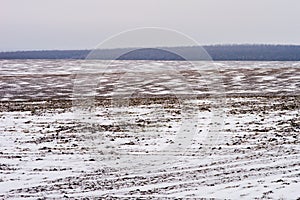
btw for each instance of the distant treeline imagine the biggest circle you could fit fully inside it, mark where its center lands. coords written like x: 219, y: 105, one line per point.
x: 217, y: 52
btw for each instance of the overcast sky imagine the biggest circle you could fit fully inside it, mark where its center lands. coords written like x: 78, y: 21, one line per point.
x: 82, y: 24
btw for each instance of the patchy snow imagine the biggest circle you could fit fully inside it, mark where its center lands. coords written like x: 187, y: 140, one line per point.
x: 49, y: 149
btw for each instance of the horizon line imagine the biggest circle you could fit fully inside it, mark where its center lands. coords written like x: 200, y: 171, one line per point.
x: 207, y: 45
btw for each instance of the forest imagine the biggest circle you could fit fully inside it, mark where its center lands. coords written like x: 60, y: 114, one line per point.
x: 216, y: 52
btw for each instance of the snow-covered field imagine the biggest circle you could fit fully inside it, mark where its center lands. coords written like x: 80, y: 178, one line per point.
x: 243, y: 143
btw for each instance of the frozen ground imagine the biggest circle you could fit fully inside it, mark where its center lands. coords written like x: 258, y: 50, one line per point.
x: 55, y: 79
x: 49, y: 149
